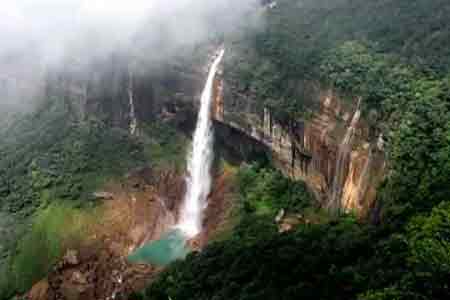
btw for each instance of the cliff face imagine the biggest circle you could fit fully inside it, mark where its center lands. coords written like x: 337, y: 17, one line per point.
x: 124, y: 94
x: 334, y: 150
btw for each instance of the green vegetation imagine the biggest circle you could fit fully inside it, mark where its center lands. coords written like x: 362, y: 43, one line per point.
x: 336, y: 258
x: 54, y: 230
x: 300, y: 32
x: 414, y: 111
x: 165, y: 146
x: 395, y: 56
x: 396, y: 60
x: 343, y: 44
x: 50, y: 165
x: 49, y: 156
x: 265, y: 191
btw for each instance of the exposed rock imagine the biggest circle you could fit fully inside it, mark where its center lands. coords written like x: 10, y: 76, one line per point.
x: 285, y: 227
x: 99, y: 268
x: 97, y: 276
x: 103, y: 196
x: 40, y: 291
x: 71, y: 258
x: 280, y: 216
x: 334, y: 151
x: 78, y: 278
x: 380, y: 143
x: 220, y: 207
x: 72, y: 291
x: 289, y: 222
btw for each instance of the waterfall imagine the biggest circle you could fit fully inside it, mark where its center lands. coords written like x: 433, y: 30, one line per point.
x: 199, y: 162
x: 343, y: 161
x: 364, y: 178
x: 133, y: 120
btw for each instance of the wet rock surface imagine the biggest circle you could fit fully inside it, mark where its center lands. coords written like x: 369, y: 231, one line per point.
x: 335, y: 150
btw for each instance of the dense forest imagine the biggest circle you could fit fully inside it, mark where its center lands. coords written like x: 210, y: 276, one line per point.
x: 51, y: 165
x: 393, y: 54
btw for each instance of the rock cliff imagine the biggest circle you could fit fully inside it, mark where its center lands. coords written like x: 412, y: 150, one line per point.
x: 333, y: 149
x: 122, y: 92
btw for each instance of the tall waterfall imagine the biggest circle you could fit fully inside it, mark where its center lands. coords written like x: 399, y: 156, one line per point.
x: 199, y: 162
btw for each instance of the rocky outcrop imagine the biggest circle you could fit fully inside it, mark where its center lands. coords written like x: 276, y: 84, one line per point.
x: 334, y: 150
x: 136, y: 210
x: 92, y: 275
x: 121, y: 92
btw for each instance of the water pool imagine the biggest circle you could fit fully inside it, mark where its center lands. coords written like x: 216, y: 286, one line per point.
x: 170, y: 247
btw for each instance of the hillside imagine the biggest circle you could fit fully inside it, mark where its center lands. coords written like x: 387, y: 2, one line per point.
x: 393, y: 55
x: 330, y: 179
x: 52, y: 165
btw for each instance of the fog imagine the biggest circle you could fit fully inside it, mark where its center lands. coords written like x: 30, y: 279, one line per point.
x: 36, y: 35
x: 52, y: 26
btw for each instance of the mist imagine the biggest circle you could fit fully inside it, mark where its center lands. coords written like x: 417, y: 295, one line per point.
x: 41, y: 35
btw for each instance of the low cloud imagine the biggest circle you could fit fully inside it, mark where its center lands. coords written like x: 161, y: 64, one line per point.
x: 39, y: 34
x: 55, y: 28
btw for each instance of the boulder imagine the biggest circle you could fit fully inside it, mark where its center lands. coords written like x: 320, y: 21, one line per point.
x: 78, y: 278
x: 103, y: 196
x: 280, y: 216
x: 40, y: 291
x: 71, y: 258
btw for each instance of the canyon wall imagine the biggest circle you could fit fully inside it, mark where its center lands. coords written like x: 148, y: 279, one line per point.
x: 334, y: 150
x: 124, y: 93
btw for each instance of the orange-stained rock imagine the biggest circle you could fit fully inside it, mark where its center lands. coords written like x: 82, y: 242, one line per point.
x: 335, y: 150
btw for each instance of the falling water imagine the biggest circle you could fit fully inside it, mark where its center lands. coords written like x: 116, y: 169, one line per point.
x: 199, y: 162
x: 133, y: 119
x: 173, y: 244
x: 343, y: 161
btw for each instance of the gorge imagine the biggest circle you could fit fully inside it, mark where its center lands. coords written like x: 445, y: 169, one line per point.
x: 309, y: 161
x: 334, y: 150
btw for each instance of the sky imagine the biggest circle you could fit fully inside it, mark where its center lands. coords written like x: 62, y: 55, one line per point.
x: 40, y: 34
x: 54, y: 26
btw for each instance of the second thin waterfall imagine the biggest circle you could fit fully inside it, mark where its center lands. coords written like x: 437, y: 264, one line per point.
x: 199, y: 161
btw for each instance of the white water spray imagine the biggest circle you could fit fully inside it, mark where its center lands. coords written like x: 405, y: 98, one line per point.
x: 199, y: 162
x: 133, y: 119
